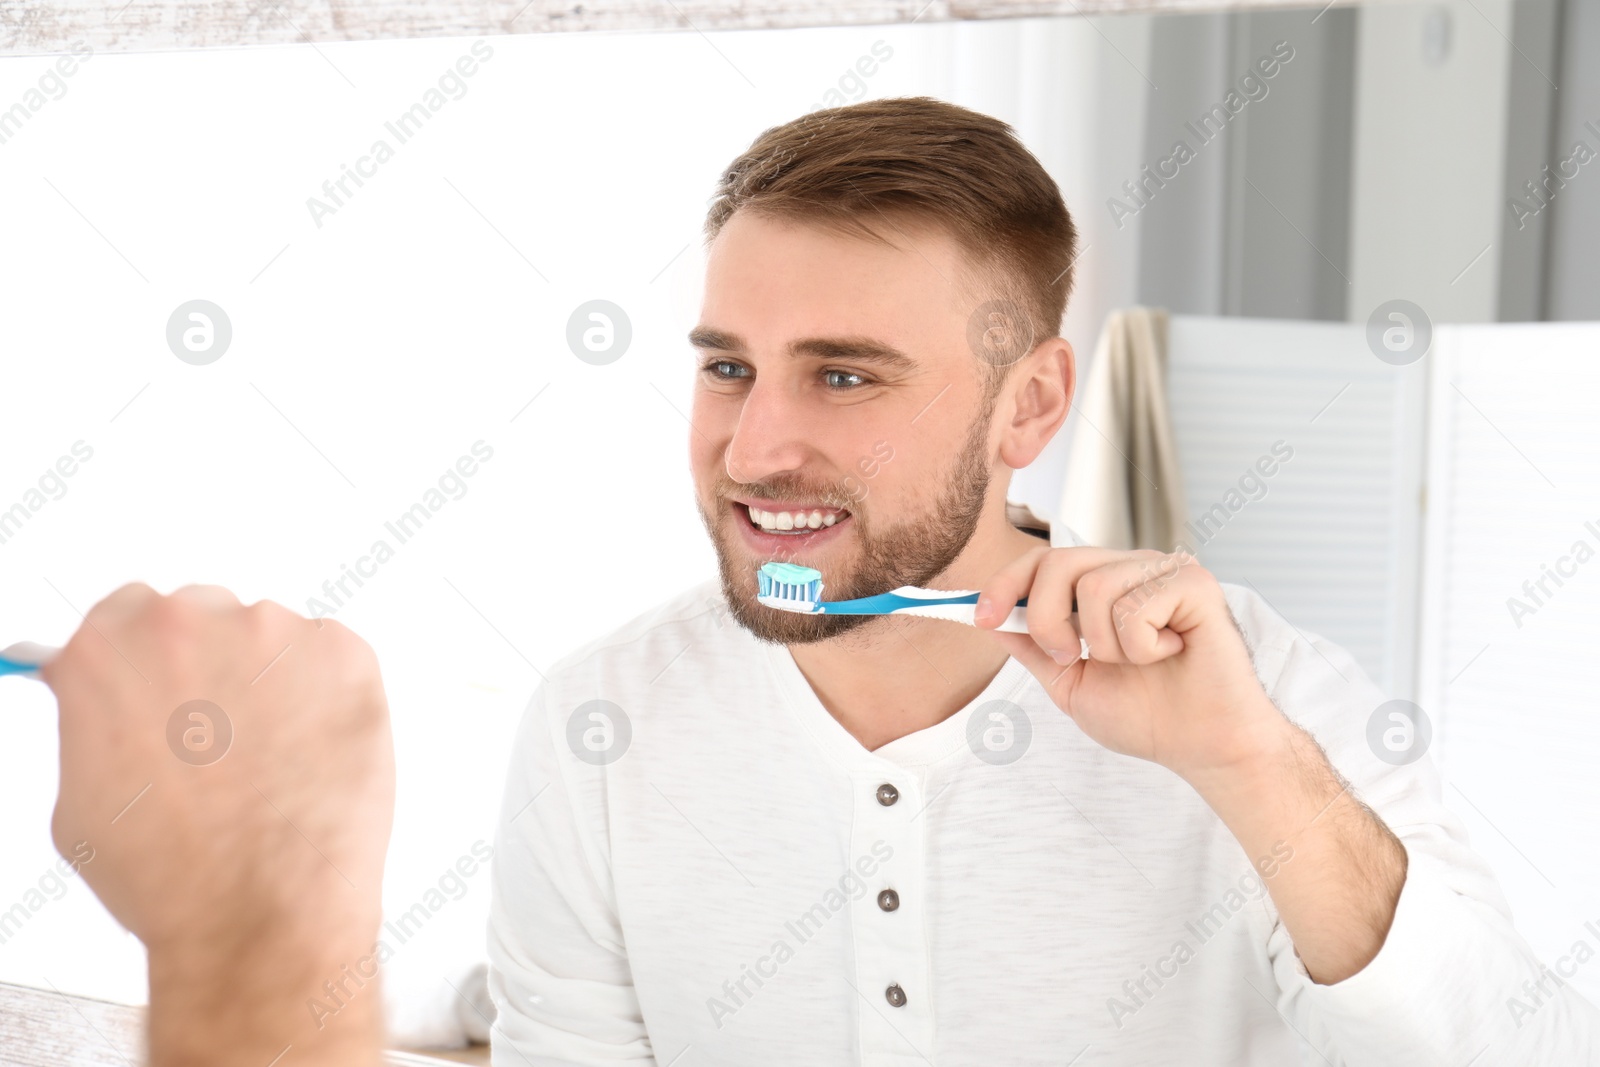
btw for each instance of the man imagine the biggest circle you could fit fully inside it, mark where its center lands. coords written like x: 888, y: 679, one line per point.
x: 213, y: 865
x: 733, y: 835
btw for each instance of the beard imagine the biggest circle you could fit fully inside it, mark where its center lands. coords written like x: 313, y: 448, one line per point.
x: 911, y: 552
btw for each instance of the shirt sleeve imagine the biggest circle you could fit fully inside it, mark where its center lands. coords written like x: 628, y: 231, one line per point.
x: 558, y: 971
x: 1441, y: 989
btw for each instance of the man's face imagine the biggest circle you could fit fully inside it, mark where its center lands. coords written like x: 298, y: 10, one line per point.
x: 835, y: 391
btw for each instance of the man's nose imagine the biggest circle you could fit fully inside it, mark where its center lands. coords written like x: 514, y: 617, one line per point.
x: 774, y: 434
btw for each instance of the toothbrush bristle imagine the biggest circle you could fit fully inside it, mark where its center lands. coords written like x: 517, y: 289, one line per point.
x: 789, y: 587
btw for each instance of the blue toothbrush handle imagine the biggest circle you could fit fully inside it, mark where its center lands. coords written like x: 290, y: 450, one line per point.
x: 956, y: 605
x: 24, y: 659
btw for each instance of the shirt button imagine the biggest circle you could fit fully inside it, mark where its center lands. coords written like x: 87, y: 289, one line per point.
x: 887, y: 794
x: 888, y: 900
x: 895, y: 996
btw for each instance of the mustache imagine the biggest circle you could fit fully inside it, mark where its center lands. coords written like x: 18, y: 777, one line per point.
x: 829, y: 494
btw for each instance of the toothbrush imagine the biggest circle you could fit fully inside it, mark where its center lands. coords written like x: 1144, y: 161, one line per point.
x: 25, y: 658
x: 792, y: 587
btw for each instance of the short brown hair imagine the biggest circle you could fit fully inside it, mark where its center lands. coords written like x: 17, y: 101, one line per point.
x: 922, y: 160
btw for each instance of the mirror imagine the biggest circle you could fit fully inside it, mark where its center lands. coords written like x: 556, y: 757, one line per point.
x: 394, y: 331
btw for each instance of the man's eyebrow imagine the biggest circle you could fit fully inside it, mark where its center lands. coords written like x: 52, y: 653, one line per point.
x: 844, y: 349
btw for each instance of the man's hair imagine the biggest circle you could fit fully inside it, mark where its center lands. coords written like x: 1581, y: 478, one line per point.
x: 885, y: 163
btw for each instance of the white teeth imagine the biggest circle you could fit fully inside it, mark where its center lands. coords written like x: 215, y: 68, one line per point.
x: 792, y: 520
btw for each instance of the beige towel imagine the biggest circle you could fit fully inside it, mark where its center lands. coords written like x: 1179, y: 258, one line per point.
x: 1123, y: 486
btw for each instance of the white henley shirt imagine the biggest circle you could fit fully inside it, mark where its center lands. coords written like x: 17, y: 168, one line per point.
x: 713, y: 871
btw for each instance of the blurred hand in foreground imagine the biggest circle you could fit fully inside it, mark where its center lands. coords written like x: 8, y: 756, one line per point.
x: 229, y: 772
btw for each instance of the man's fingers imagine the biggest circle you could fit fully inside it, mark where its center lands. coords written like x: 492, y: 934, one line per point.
x: 1106, y: 595
x: 1007, y: 586
x: 1129, y: 606
x: 1144, y: 643
x: 1050, y: 578
x: 1050, y: 607
x: 1142, y: 616
x: 211, y: 596
x: 89, y: 640
x: 123, y: 602
x: 1060, y: 582
x: 319, y: 759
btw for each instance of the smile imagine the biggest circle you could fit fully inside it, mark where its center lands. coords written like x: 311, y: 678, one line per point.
x: 769, y: 521
x: 797, y: 521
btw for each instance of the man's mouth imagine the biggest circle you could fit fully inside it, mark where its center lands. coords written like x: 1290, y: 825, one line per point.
x: 789, y: 519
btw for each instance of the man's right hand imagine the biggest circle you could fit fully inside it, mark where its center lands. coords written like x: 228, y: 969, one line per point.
x: 231, y: 773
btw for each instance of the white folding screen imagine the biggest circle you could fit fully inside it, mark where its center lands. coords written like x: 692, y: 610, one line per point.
x: 1330, y: 537
x: 1509, y: 669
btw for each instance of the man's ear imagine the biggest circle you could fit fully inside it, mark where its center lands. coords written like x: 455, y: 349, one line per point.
x: 1038, y: 397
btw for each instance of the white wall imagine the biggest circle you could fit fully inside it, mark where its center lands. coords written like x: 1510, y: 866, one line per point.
x: 1573, y: 268
x: 1257, y: 222
x: 1428, y: 164
x: 1507, y: 670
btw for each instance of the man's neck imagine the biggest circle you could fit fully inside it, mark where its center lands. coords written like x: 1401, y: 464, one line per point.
x: 899, y: 674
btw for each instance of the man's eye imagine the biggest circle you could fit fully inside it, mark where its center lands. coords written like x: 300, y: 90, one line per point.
x: 724, y: 370
x: 833, y: 377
